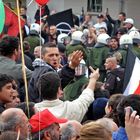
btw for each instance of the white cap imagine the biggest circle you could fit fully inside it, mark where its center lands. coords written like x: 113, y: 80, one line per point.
x: 129, y: 20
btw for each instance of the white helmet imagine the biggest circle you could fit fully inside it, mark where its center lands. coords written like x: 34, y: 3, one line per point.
x: 129, y: 20
x: 103, y: 38
x: 85, y: 32
x: 135, y: 36
x: 77, y: 36
x: 126, y: 39
x: 60, y: 38
x: 35, y: 26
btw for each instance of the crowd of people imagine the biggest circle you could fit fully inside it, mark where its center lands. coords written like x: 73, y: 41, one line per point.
x: 75, y: 82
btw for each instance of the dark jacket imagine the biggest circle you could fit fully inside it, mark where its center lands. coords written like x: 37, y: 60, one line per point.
x: 44, y: 11
x: 116, y: 23
x: 114, y: 80
x: 28, y: 62
x: 41, y: 67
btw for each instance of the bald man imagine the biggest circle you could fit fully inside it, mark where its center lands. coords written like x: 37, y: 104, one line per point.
x: 114, y: 76
x: 70, y: 130
x: 37, y: 52
x: 14, y: 119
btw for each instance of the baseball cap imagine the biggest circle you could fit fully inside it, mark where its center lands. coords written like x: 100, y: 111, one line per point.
x: 129, y: 20
x: 44, y: 119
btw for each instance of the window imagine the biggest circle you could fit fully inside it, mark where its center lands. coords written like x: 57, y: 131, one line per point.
x: 94, y: 6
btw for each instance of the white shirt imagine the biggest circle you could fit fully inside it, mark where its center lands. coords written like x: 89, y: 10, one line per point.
x: 74, y: 110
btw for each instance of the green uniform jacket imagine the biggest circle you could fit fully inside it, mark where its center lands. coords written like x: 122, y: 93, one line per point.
x: 97, y: 59
x: 123, y: 52
x: 73, y: 90
x: 33, y: 41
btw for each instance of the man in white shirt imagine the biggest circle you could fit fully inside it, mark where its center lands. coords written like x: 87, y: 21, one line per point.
x: 50, y: 90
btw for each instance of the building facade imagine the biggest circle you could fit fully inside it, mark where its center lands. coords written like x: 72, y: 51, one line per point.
x: 94, y: 7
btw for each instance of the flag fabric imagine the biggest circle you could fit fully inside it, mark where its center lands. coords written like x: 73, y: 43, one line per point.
x: 11, y: 26
x: 62, y: 20
x: 132, y: 74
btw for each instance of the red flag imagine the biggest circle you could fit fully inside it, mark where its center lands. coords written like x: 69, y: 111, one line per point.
x: 11, y: 22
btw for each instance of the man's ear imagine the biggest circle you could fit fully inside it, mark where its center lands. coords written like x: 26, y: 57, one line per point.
x: 47, y: 136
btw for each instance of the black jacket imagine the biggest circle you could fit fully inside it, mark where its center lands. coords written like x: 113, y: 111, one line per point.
x: 114, y: 81
x: 116, y: 23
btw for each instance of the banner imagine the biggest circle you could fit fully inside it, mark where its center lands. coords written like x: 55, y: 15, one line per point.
x: 62, y: 20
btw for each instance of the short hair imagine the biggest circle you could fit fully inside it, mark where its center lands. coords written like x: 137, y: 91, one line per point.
x: 10, y: 122
x: 10, y: 135
x: 114, y: 37
x: 23, y: 106
x: 8, y: 44
x: 48, y: 85
x: 122, y: 13
x: 113, y: 103
x: 130, y: 100
x: 103, y: 28
x: 95, y: 131
x: 68, y: 132
x: 47, y: 45
x: 5, y: 79
x: 88, y: 14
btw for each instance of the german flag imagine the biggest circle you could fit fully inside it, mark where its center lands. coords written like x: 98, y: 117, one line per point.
x: 132, y: 74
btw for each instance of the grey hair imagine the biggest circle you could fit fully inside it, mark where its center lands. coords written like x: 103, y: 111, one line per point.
x: 68, y: 132
x: 10, y: 122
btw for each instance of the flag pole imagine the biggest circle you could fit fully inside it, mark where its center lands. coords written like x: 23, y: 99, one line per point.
x: 22, y: 56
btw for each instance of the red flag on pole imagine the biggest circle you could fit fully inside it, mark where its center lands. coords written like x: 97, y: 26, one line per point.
x: 11, y: 26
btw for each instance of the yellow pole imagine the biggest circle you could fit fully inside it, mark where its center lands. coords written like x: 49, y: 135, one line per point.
x: 22, y: 54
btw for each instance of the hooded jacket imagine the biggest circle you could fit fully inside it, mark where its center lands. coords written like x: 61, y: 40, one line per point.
x: 40, y: 67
